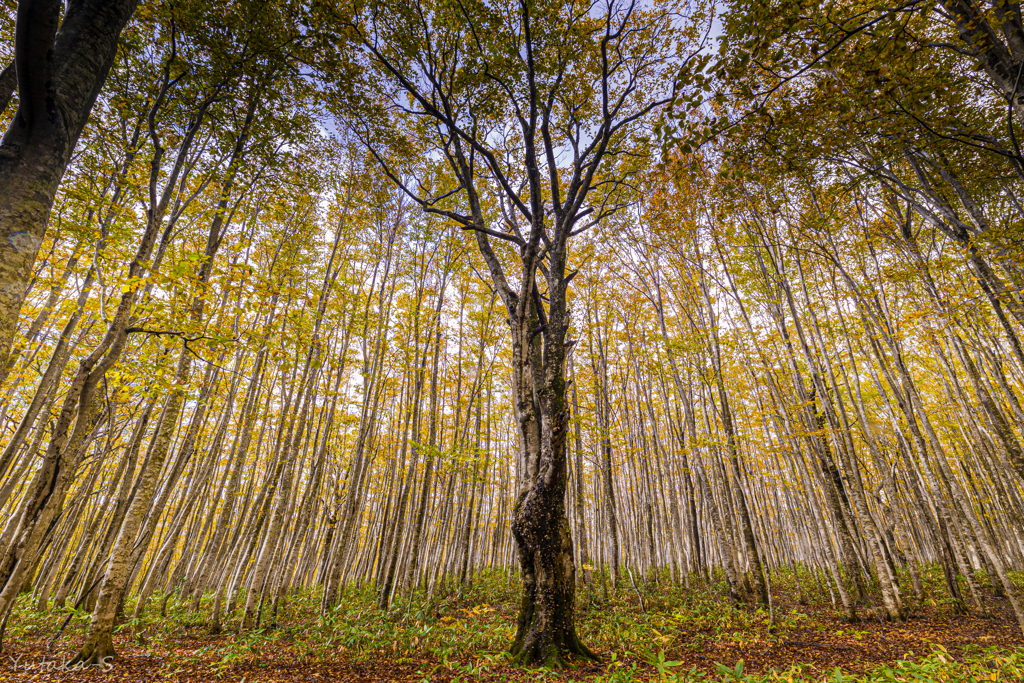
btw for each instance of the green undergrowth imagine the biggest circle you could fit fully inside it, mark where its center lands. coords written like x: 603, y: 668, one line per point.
x: 937, y: 666
x: 644, y: 631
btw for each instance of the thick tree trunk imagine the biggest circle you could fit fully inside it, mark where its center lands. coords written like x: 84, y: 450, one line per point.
x: 59, y: 73
x: 546, y: 627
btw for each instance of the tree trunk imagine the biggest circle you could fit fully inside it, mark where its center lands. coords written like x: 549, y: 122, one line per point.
x: 60, y: 73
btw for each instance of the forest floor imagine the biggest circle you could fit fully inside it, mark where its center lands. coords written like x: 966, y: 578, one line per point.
x: 675, y: 634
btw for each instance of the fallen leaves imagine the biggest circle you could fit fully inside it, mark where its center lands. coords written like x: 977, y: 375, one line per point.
x: 682, y: 633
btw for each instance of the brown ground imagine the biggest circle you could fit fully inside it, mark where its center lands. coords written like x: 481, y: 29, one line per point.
x: 827, y: 642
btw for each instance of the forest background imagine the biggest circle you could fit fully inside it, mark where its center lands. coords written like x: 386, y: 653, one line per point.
x: 295, y: 326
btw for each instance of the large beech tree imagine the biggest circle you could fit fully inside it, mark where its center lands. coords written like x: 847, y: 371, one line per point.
x: 536, y: 108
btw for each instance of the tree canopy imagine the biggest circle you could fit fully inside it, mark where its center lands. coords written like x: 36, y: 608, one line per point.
x: 314, y: 297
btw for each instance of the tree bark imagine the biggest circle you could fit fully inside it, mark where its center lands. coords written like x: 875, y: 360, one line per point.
x: 60, y: 71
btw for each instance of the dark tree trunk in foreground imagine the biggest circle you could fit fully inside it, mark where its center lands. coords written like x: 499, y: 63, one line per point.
x: 559, y: 195
x: 546, y: 628
x: 59, y: 74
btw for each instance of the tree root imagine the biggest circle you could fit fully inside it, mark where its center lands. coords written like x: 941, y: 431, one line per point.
x: 532, y: 652
x: 94, y: 654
